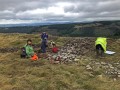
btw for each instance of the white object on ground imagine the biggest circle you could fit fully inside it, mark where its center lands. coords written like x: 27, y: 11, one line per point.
x: 110, y: 52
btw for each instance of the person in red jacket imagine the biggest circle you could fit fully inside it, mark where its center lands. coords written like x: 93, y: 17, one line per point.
x: 55, y: 58
x: 55, y: 48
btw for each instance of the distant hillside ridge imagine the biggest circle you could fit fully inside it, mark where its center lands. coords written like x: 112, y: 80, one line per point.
x: 91, y: 29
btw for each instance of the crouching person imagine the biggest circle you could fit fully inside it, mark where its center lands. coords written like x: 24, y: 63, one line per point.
x: 55, y: 59
x: 101, y: 45
x: 29, y: 51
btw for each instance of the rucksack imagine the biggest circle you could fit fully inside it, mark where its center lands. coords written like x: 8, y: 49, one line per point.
x: 23, y: 53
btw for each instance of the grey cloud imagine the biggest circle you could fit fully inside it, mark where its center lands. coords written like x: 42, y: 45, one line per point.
x: 94, y: 7
x: 91, y: 9
x: 99, y: 9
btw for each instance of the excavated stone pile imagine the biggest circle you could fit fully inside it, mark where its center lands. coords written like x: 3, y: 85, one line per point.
x: 73, y: 48
x: 109, y: 69
x: 78, y: 46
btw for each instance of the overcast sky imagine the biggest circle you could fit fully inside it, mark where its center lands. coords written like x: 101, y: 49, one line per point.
x: 32, y: 11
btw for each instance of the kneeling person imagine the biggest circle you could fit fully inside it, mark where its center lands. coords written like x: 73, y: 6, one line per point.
x: 101, y: 45
x: 30, y: 51
x: 55, y: 58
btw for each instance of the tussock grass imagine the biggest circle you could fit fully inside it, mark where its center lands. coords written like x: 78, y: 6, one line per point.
x: 17, y: 40
x: 23, y: 74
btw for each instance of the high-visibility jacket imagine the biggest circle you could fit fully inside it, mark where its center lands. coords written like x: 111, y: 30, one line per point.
x: 102, y: 41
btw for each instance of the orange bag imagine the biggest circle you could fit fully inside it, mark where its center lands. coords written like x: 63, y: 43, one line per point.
x: 34, y: 57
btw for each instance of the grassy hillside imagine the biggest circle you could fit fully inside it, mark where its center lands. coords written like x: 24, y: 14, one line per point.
x: 23, y: 74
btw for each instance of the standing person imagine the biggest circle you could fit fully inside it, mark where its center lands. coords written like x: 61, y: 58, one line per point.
x: 44, y: 46
x: 30, y: 51
x: 101, y: 45
x: 44, y: 38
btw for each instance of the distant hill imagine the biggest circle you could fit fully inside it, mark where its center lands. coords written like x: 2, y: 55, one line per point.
x: 32, y: 24
x: 98, y: 28
x: 101, y: 28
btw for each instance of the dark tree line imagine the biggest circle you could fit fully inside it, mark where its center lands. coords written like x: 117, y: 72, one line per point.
x: 106, y: 28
